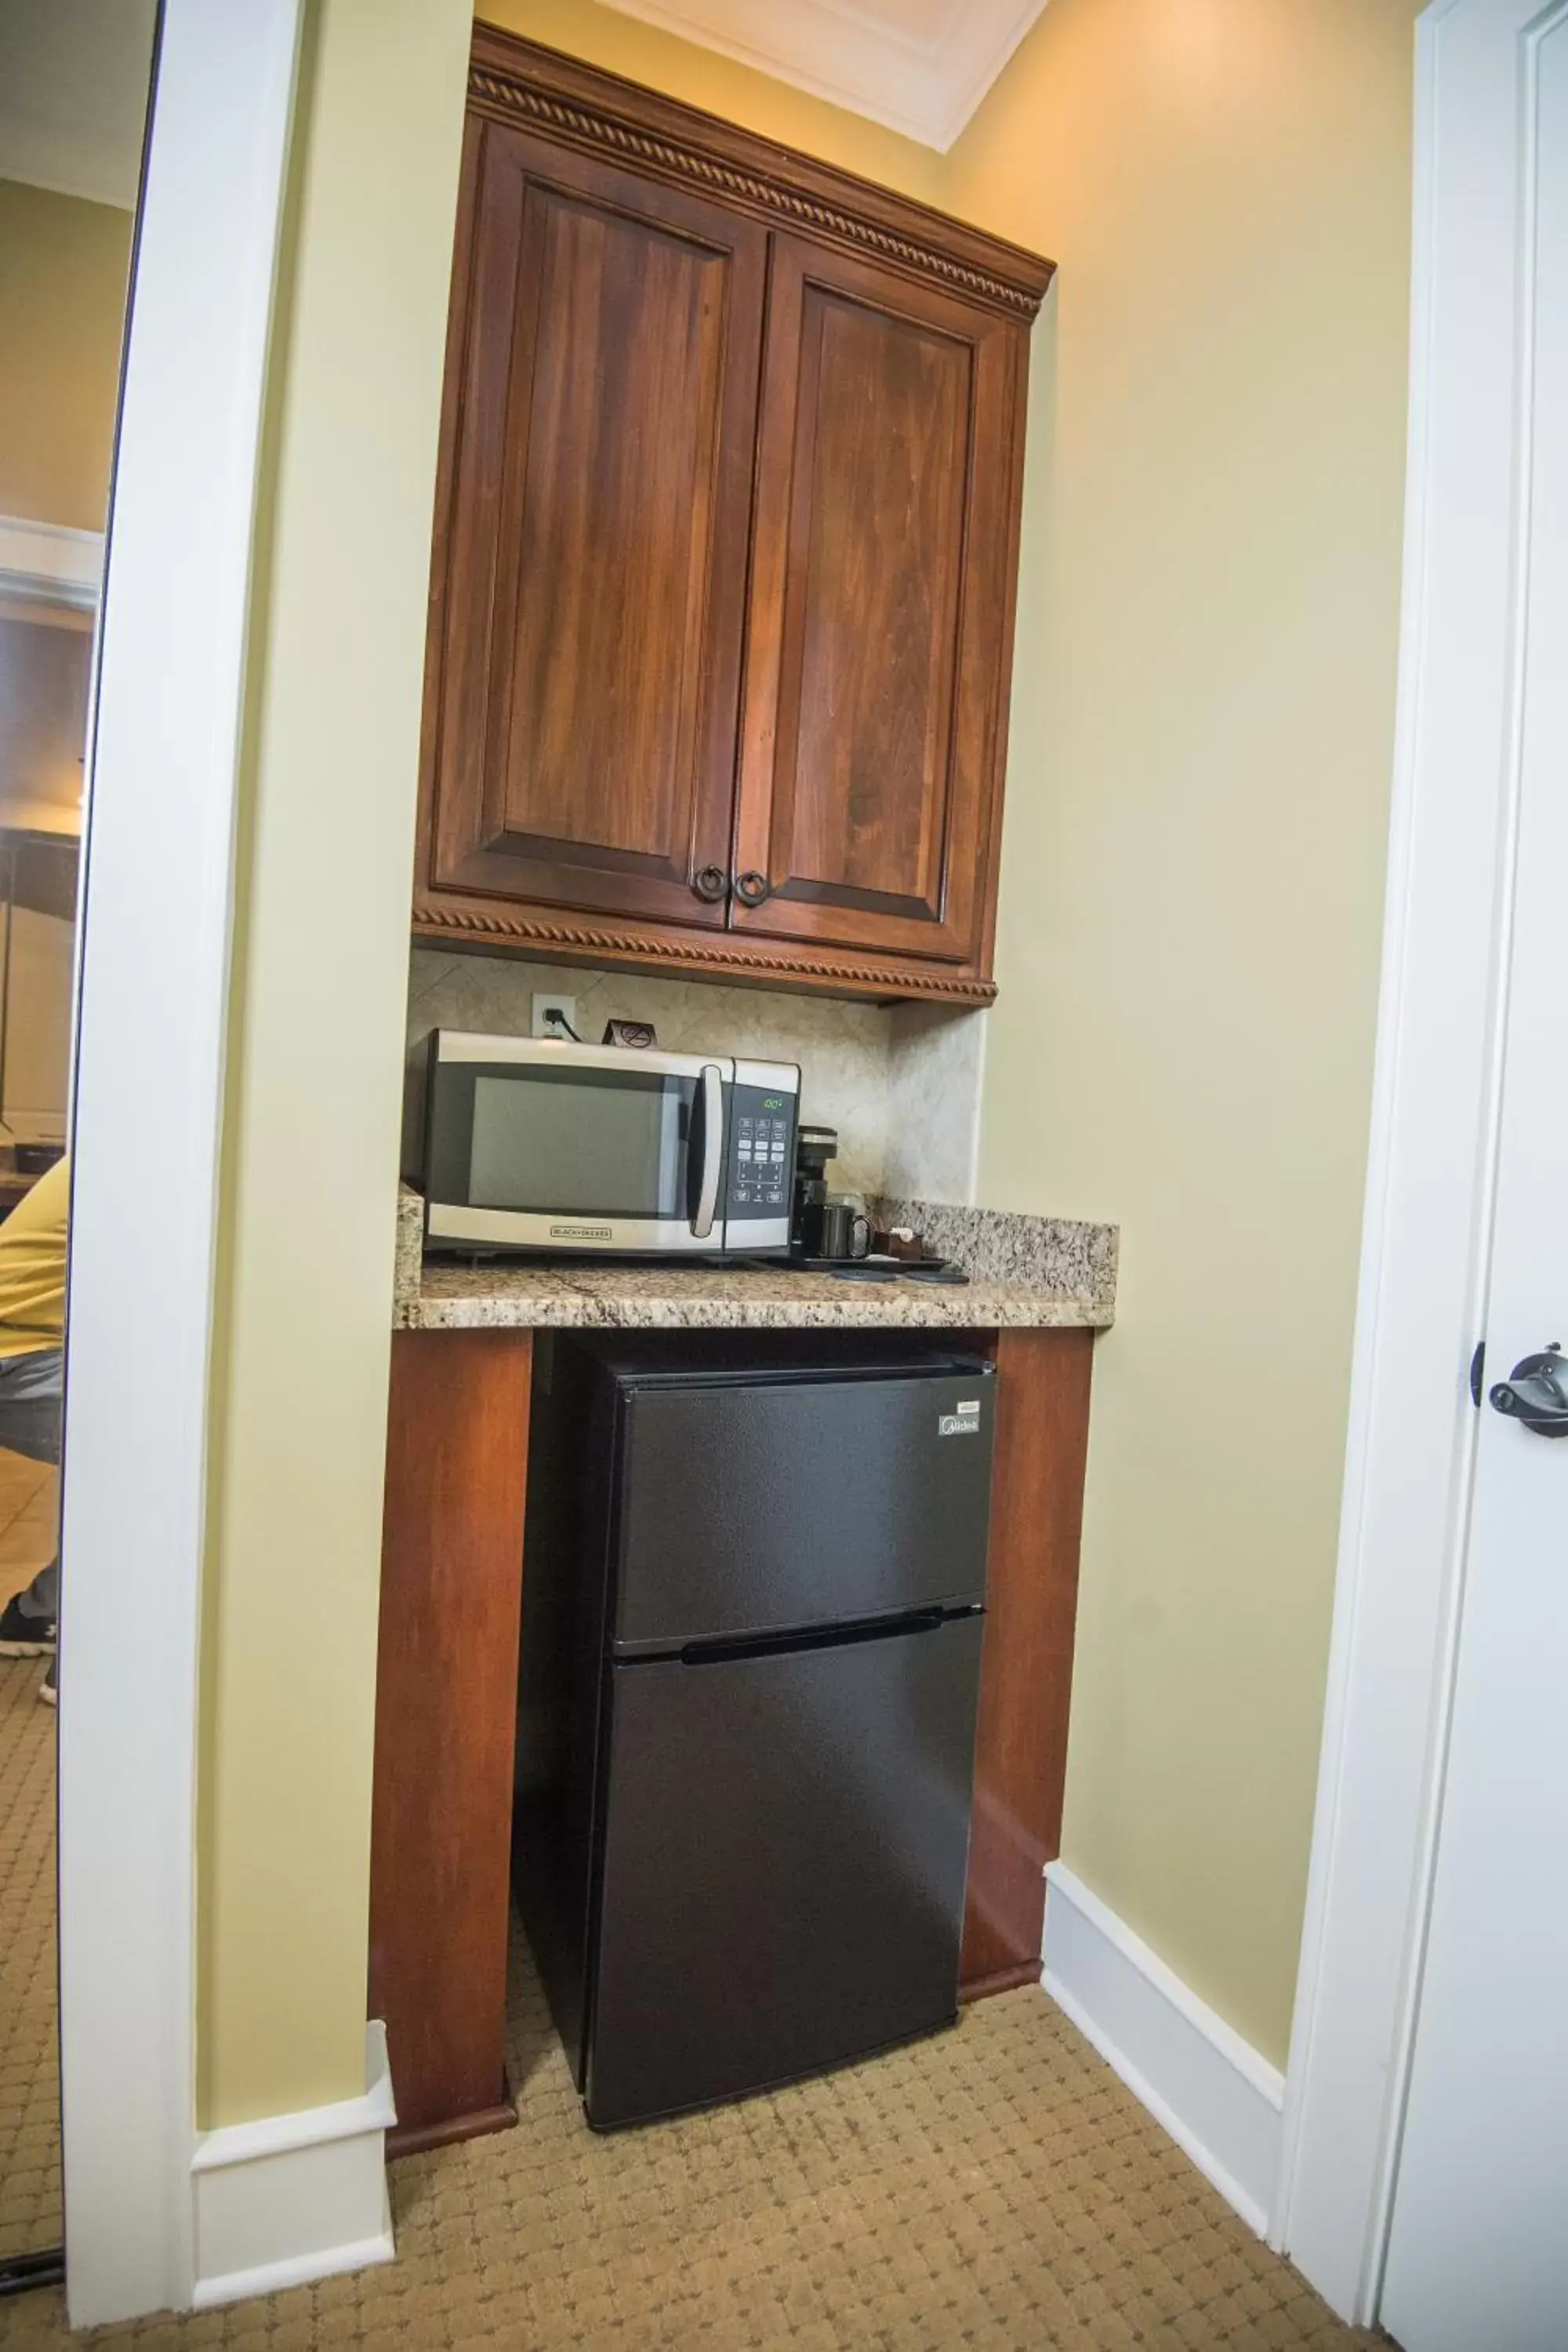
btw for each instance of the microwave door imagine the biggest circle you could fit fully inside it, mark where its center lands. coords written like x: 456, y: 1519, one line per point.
x: 576, y: 1149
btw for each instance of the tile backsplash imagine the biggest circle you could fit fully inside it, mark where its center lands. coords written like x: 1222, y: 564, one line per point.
x: 935, y: 1067
x: 845, y: 1050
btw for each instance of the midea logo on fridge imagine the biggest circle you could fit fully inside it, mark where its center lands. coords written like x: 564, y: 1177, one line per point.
x: 963, y: 1421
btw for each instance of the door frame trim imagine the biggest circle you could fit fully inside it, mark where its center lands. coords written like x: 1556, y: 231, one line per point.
x: 165, y: 764
x: 1426, y: 1248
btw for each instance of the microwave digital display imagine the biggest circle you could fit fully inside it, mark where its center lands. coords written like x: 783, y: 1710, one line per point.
x: 578, y: 1141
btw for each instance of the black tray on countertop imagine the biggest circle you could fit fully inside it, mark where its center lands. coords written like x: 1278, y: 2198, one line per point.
x: 938, y: 1271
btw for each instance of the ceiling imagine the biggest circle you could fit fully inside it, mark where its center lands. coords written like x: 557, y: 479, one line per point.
x: 73, y: 73
x: 920, y: 66
x: 73, y: 94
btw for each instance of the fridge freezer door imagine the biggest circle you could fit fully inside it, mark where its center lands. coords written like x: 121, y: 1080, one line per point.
x: 749, y: 1506
x: 784, y: 1859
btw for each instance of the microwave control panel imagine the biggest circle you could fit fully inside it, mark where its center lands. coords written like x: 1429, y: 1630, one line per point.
x: 762, y: 1151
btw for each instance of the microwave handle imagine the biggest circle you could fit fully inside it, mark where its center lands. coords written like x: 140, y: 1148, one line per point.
x: 711, y: 1097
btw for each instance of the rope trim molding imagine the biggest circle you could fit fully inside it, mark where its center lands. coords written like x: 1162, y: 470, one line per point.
x: 522, y: 98
x: 725, y: 957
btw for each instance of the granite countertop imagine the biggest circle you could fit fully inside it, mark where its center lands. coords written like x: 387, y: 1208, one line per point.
x: 1028, y: 1272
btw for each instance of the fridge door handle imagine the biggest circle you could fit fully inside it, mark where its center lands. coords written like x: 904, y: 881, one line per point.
x: 729, y: 1652
x: 711, y: 1095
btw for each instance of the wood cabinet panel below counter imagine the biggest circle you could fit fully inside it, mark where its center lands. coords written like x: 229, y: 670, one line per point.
x: 1025, y: 1667
x: 446, y: 1728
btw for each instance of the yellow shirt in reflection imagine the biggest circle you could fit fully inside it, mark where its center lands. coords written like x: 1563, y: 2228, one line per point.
x: 33, y: 1266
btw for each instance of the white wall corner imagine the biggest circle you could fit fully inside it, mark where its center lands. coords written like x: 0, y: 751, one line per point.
x: 293, y: 2198
x: 1219, y: 2100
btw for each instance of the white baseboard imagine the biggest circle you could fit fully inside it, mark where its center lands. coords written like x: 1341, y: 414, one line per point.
x: 294, y: 2197
x: 1220, y: 2102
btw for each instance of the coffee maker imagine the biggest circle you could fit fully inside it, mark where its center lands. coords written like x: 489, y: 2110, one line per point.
x: 822, y: 1228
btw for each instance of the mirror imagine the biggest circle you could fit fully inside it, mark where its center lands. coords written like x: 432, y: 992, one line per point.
x: 74, y: 82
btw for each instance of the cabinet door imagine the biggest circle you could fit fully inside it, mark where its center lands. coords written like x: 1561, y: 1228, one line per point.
x: 590, y: 574
x: 881, y: 618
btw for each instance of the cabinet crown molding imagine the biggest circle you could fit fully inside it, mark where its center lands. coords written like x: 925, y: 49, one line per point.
x: 513, y: 79
x: 723, y: 953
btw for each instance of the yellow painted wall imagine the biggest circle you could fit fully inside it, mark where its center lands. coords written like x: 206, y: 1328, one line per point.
x: 316, y: 1059
x: 1191, y: 881
x: 63, y: 265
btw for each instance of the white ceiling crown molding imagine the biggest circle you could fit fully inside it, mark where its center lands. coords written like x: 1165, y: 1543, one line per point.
x: 48, y: 563
x: 920, y: 66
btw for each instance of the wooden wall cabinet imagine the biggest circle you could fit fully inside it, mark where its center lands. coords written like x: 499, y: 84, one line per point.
x: 725, y: 547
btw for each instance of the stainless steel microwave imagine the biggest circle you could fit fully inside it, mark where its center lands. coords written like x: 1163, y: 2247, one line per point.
x: 534, y: 1143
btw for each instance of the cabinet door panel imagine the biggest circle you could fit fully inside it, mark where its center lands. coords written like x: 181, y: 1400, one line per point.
x: 880, y: 568
x: 599, y: 483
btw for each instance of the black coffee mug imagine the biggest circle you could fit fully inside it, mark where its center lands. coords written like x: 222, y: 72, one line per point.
x: 837, y: 1229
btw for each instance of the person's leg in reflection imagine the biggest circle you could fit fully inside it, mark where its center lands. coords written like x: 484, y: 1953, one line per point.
x: 31, y: 1388
x: 32, y: 1245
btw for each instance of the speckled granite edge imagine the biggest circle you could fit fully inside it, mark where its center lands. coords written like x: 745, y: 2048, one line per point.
x: 1074, y: 1288
x: 409, y: 1260
x: 457, y: 1299
x: 1055, y: 1254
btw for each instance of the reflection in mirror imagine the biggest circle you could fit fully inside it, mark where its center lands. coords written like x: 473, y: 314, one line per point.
x: 46, y: 655
x: 74, y: 79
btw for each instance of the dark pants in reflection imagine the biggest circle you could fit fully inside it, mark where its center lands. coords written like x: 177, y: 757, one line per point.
x: 32, y: 1388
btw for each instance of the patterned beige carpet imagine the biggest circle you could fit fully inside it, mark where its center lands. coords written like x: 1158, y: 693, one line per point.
x: 992, y: 2189
x: 30, y: 2087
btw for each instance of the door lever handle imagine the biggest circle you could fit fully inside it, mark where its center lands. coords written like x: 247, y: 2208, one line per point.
x: 1535, y: 1392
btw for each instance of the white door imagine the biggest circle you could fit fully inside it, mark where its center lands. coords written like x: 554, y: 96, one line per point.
x: 1477, y: 2254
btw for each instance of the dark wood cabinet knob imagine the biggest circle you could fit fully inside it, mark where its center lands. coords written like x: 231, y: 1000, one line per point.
x: 711, y: 883
x: 752, y: 889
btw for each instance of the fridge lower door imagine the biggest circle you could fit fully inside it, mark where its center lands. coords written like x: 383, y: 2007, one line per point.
x: 783, y: 1866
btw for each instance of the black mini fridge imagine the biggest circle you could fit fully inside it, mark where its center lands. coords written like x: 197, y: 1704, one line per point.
x: 752, y: 1609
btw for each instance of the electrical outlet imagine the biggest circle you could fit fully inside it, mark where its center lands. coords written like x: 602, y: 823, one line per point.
x: 543, y: 1006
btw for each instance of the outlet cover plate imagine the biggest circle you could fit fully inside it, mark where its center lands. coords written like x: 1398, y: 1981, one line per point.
x: 543, y: 1006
